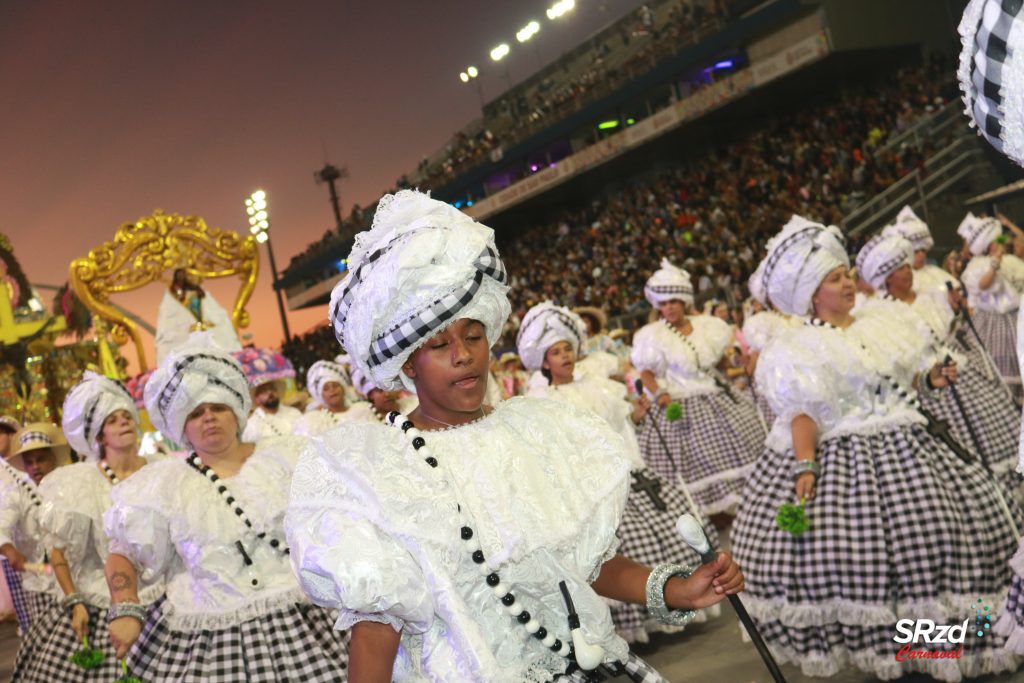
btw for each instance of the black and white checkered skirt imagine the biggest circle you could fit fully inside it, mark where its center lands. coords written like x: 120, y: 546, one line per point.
x: 45, y: 652
x: 633, y: 669
x: 899, y: 528
x: 998, y: 331
x: 1009, y: 617
x: 294, y: 643
x: 711, y: 448
x: 647, y: 535
x: 763, y: 407
x: 992, y: 415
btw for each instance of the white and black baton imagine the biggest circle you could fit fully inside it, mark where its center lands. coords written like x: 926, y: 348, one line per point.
x: 690, y: 529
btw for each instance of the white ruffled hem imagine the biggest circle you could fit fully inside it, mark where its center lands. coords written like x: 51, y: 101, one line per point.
x: 724, y: 475
x: 851, y: 613
x: 643, y: 633
x: 214, y: 621
x: 1008, y: 627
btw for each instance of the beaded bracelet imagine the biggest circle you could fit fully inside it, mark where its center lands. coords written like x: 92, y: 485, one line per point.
x: 127, y: 609
x: 656, y: 582
x: 73, y: 599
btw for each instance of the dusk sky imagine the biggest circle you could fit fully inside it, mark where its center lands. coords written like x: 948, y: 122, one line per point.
x: 113, y: 109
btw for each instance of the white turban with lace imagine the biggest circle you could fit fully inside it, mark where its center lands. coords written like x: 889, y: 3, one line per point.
x: 87, y: 407
x: 545, y: 325
x: 798, y: 260
x: 911, y: 228
x: 881, y: 256
x: 363, y: 384
x: 755, y: 283
x: 319, y: 374
x: 422, y: 266
x: 669, y: 282
x: 979, y: 233
x: 197, y: 372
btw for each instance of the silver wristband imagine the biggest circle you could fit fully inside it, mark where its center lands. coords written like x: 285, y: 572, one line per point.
x: 70, y: 601
x: 660, y: 576
x: 802, y: 466
x: 127, y: 609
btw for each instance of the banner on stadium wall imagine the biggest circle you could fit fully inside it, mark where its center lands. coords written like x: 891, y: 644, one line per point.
x: 696, y: 105
x: 799, y: 54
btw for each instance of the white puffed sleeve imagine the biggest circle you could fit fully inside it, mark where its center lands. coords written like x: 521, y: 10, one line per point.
x: 598, y: 364
x: 976, y: 269
x: 648, y: 353
x: 797, y: 374
x: 64, y: 517
x: 342, y: 560
x: 10, y: 511
x: 716, y: 334
x: 760, y: 328
x: 136, y: 522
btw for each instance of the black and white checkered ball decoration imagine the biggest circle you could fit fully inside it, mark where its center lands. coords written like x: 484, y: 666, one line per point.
x: 991, y: 77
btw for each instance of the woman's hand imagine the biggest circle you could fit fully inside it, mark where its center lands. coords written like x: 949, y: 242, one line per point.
x: 942, y: 375
x: 124, y: 631
x: 706, y: 586
x: 805, y: 484
x: 640, y: 409
x: 80, y: 621
x: 663, y: 400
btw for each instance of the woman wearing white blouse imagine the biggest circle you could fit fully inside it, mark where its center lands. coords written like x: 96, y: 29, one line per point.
x: 210, y: 526
x: 465, y: 543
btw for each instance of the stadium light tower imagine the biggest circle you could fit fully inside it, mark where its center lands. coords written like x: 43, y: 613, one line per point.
x: 259, y: 226
x: 499, y: 53
x: 527, y: 32
x: 560, y: 8
x: 470, y: 74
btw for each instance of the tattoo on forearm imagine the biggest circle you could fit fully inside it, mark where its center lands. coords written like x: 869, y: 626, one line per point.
x: 120, y: 582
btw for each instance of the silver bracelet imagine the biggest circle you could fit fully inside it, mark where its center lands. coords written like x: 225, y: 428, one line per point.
x: 660, y: 576
x: 127, y: 609
x: 802, y: 466
x: 70, y: 601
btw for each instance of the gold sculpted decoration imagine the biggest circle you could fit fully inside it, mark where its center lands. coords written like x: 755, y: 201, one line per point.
x: 143, y: 251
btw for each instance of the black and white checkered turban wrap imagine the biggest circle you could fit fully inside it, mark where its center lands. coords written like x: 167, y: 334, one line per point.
x: 912, y: 229
x: 545, y: 325
x: 798, y: 260
x: 196, y: 373
x: 422, y: 266
x: 979, y: 233
x: 881, y: 256
x: 668, y: 282
x: 991, y: 76
x: 322, y: 372
x: 87, y: 406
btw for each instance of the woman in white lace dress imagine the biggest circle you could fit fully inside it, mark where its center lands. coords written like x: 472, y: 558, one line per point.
x: 210, y: 527
x: 715, y: 442
x: 327, y: 384
x: 454, y: 541
x: 102, y: 425
x: 894, y: 528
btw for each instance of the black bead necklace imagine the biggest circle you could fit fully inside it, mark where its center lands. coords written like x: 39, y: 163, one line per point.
x: 29, y: 487
x: 501, y: 590
x: 196, y: 464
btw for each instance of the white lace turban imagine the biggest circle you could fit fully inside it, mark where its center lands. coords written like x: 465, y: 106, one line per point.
x: 197, y: 372
x: 797, y: 262
x: 911, y: 228
x: 979, y: 233
x: 881, y: 256
x: 363, y: 384
x: 88, y: 405
x: 991, y: 72
x: 319, y: 374
x: 669, y: 282
x: 545, y: 325
x: 422, y: 266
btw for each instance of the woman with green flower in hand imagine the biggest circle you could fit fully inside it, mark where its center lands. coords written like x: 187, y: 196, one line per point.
x: 887, y: 531
x: 712, y: 448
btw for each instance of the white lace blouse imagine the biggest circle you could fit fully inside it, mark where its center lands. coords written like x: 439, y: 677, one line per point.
x: 836, y: 376
x: 171, y: 522
x: 375, y: 532
x: 76, y: 497
x: 761, y: 328
x: 318, y: 421
x: 685, y: 367
x: 20, y: 526
x: 606, y: 398
x: 1000, y: 297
